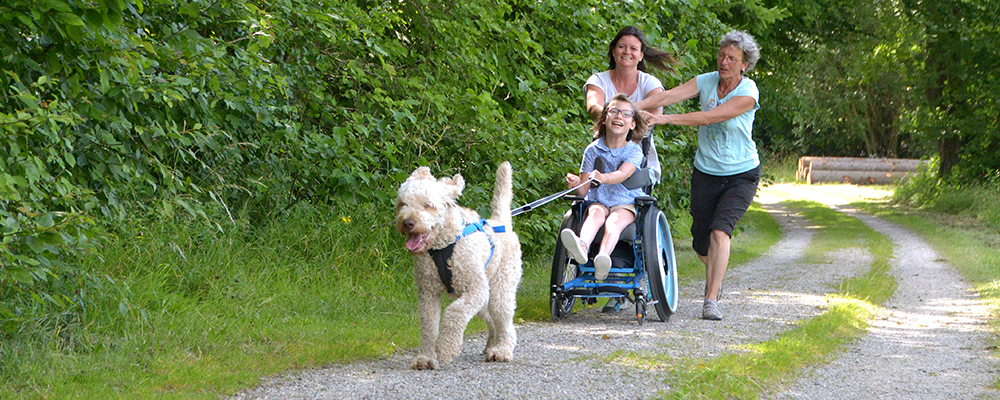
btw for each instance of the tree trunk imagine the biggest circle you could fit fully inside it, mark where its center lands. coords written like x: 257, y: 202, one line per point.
x: 949, y: 149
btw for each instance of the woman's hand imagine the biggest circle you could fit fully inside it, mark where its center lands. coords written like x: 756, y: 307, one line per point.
x: 655, y: 119
x: 647, y: 116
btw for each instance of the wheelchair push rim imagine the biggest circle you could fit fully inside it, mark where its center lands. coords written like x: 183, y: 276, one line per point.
x: 563, y: 271
x: 660, y: 264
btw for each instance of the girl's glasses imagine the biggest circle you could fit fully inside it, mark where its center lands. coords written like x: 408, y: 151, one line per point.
x: 625, y: 113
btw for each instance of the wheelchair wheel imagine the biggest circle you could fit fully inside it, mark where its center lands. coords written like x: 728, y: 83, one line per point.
x: 661, y: 267
x: 564, y: 269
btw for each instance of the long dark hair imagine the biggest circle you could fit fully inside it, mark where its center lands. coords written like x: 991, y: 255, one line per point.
x: 657, y: 58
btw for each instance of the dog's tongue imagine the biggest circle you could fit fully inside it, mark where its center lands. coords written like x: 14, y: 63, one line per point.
x: 415, y: 242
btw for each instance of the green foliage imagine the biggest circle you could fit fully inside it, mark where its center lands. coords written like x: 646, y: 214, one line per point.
x: 925, y: 190
x: 954, y: 111
x: 114, y: 106
x: 883, y: 79
x: 214, y: 113
x: 841, y: 93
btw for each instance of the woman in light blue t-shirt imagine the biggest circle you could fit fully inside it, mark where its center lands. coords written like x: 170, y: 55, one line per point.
x: 726, y: 165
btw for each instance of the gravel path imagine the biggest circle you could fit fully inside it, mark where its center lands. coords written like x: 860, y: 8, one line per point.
x: 930, y: 343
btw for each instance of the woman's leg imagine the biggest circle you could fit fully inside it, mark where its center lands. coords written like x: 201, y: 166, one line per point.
x: 716, y: 263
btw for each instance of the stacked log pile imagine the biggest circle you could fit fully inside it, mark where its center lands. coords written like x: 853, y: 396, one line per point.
x: 857, y: 170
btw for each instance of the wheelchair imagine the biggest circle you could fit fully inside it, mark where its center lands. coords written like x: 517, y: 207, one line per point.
x: 643, y: 267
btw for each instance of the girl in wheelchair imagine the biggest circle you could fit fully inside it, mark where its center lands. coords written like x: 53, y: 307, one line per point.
x: 617, y: 137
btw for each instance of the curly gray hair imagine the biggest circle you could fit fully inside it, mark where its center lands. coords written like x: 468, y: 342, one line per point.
x: 745, y: 42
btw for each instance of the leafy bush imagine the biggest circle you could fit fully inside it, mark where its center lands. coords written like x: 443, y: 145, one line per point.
x: 229, y: 112
x: 115, y: 107
x: 925, y: 190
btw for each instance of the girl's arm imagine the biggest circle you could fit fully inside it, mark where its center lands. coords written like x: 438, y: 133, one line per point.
x: 619, y: 176
x: 573, y: 180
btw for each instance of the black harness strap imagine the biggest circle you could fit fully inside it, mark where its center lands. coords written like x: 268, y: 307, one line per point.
x: 440, y: 257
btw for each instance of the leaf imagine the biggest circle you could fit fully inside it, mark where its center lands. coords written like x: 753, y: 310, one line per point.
x: 105, y: 85
x: 51, y: 239
x: 71, y: 19
x: 34, y: 244
x: 46, y: 221
x: 26, y: 20
x: 264, y: 40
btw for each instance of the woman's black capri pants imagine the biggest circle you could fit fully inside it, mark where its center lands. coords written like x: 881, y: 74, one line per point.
x: 718, y: 202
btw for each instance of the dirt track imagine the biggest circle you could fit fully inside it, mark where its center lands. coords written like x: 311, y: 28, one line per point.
x: 930, y: 343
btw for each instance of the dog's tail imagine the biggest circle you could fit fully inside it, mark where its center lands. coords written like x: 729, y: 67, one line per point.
x: 503, y: 193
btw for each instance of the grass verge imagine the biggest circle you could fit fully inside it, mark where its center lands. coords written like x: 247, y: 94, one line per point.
x: 192, y: 314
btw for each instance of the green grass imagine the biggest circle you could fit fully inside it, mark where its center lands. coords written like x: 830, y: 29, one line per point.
x: 745, y: 375
x: 978, y: 202
x: 189, y: 314
x: 780, y: 170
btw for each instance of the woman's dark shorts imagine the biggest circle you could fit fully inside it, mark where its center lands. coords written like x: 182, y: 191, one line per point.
x: 718, y: 202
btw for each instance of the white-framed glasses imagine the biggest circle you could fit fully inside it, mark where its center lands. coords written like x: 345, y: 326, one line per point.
x: 625, y: 113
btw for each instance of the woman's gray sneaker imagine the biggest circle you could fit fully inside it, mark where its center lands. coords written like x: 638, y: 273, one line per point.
x: 710, y: 310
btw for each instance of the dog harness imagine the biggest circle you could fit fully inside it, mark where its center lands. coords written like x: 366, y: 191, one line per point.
x: 442, y: 255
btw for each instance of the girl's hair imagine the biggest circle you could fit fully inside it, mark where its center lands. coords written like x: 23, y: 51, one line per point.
x: 636, y: 134
x: 658, y: 58
x: 745, y: 42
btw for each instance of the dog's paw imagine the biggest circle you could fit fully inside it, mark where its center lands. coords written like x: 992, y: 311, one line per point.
x: 423, y: 362
x: 499, y: 354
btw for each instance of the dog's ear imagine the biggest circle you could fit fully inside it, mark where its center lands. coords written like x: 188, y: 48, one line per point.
x: 454, y: 185
x: 421, y: 173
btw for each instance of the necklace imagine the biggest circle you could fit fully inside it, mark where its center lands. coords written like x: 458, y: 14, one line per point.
x: 624, y: 87
x: 725, y: 92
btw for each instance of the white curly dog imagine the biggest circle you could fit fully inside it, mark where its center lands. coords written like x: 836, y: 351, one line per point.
x: 480, y: 264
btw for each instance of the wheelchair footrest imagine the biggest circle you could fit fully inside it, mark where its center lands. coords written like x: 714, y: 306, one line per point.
x: 595, y: 291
